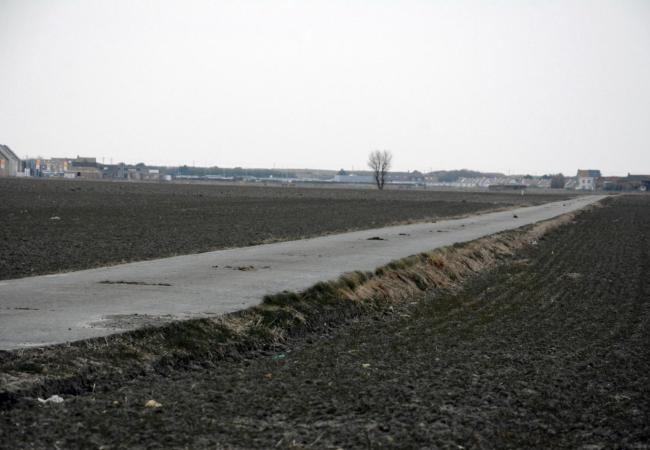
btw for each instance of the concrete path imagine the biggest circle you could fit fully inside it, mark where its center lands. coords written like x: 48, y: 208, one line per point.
x: 65, y: 307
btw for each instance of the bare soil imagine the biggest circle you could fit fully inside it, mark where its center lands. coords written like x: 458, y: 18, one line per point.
x: 549, y: 350
x: 49, y: 226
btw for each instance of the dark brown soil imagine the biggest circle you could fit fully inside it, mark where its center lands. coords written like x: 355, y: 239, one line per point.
x: 551, y: 350
x: 49, y: 226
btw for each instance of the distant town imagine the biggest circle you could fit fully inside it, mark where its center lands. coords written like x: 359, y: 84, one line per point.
x: 89, y: 168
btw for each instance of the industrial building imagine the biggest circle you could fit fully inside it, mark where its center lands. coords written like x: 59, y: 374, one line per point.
x: 9, y: 162
x: 84, y: 167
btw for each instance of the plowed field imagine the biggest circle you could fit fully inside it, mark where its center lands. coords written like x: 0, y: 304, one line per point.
x: 49, y: 226
x: 550, y: 350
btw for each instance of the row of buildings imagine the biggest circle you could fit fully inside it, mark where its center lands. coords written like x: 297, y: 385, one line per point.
x: 79, y: 167
x: 12, y: 166
x: 89, y: 168
x: 584, y: 180
x: 592, y: 180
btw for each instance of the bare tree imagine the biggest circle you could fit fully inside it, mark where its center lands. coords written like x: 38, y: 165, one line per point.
x: 379, y: 161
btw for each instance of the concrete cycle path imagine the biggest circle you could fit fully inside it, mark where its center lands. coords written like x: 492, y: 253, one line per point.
x: 51, y: 309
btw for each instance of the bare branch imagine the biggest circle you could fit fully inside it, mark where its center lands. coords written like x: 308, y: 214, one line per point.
x: 380, y: 162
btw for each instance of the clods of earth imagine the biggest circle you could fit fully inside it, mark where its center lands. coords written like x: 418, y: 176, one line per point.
x: 551, y: 349
x: 50, y: 226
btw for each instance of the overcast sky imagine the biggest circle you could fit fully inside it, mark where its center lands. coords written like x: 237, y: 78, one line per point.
x: 512, y: 86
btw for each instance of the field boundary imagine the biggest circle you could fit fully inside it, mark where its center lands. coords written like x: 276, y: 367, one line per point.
x: 76, y: 368
x: 106, y: 219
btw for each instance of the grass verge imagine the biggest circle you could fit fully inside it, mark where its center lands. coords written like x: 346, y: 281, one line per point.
x: 75, y: 368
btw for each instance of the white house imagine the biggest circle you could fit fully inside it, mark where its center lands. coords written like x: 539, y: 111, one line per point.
x: 587, y: 179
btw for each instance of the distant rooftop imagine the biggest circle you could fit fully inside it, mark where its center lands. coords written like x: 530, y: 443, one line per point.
x: 6, y: 152
x: 592, y: 173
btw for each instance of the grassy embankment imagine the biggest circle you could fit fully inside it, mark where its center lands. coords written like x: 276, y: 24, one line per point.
x: 75, y: 368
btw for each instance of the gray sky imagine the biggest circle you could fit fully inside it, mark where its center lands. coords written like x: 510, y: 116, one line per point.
x: 513, y: 86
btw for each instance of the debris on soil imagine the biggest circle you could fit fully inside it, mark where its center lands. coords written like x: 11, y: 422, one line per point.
x: 52, y: 399
x: 134, y: 283
x: 55, y: 218
x: 152, y: 404
x: 376, y: 238
x: 573, y: 275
